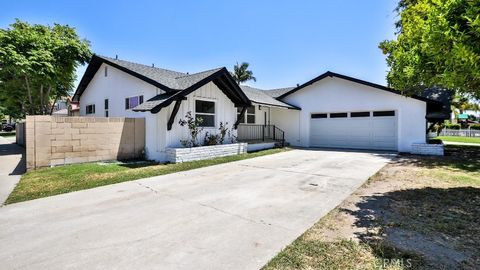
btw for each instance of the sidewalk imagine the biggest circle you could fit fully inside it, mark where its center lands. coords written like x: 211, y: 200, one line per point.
x: 12, y: 166
x: 460, y: 143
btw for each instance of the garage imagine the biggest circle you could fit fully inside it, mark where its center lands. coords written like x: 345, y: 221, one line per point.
x: 375, y: 130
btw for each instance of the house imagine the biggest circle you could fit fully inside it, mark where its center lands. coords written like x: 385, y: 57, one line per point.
x: 331, y: 110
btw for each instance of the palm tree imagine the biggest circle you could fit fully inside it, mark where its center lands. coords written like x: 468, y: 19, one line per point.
x: 242, y: 74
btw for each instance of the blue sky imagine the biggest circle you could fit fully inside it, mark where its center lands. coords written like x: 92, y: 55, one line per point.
x: 285, y: 42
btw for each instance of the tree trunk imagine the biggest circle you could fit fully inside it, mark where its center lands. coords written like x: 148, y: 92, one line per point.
x: 29, y: 93
x: 53, y: 105
x: 42, y: 107
x: 47, y: 98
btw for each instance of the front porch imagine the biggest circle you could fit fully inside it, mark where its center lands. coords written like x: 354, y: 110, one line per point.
x: 268, y: 136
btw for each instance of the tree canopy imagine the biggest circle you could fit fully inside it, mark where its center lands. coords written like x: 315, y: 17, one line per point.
x: 37, y: 66
x: 437, y: 44
x: 242, y: 74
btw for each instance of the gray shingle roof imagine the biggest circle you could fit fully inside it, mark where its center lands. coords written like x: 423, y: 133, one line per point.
x: 260, y: 96
x: 155, y: 101
x: 277, y: 92
x: 171, y: 79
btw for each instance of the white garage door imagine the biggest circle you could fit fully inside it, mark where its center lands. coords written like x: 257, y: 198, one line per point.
x: 357, y: 130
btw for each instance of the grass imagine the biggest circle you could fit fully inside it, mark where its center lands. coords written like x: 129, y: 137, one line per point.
x: 459, y: 139
x: 433, y: 197
x: 7, y: 134
x: 62, y: 179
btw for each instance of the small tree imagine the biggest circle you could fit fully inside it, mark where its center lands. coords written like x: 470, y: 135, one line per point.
x: 194, y: 129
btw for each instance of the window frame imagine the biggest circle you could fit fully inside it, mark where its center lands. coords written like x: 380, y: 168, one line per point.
x: 86, y: 109
x: 214, y: 114
x: 318, y: 115
x: 106, y: 106
x: 338, y: 115
x: 140, y: 101
x: 245, y: 119
x: 384, y: 113
x: 359, y: 114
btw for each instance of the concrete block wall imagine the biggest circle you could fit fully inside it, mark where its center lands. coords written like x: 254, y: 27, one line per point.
x: 428, y: 149
x: 53, y: 140
x: 178, y: 155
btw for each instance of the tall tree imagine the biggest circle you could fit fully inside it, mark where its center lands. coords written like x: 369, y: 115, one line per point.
x: 437, y: 44
x: 37, y: 65
x: 241, y: 73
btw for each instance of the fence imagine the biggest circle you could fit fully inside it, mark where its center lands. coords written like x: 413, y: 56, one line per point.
x: 460, y: 132
x: 20, y: 134
x: 250, y: 132
x: 52, y: 140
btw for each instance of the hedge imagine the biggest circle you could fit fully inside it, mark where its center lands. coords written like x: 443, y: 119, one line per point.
x: 453, y: 126
x: 475, y: 126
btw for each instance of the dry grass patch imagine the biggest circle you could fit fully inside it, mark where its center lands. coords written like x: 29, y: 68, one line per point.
x: 415, y: 213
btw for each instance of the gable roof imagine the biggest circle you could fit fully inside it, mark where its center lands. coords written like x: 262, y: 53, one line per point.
x: 262, y: 97
x: 175, y: 84
x: 348, y: 78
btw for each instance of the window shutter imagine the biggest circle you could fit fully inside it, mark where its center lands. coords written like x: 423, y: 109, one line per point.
x: 140, y: 100
x: 127, y: 104
x: 93, y: 108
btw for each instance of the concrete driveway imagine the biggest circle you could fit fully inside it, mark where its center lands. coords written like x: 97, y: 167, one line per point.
x: 12, y: 166
x: 230, y: 216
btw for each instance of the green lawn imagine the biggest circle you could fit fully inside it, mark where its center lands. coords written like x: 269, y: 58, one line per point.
x: 459, y: 139
x: 62, y: 179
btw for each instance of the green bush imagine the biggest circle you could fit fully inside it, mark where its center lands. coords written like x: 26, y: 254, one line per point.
x: 475, y: 126
x: 453, y: 126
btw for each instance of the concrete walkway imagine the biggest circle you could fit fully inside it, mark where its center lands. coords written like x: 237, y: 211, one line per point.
x: 12, y: 166
x: 231, y: 216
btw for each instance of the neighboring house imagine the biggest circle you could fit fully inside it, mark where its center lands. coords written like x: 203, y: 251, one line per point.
x: 331, y: 110
x: 73, y: 107
x: 60, y: 108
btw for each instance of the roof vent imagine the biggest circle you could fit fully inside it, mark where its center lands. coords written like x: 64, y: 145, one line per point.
x: 116, y: 56
x: 298, y: 85
x: 188, y: 73
x: 153, y: 65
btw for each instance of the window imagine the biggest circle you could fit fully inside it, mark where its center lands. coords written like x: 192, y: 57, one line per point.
x: 383, y: 113
x: 338, y: 115
x: 360, y: 114
x: 106, y: 107
x: 90, y: 109
x: 205, y: 110
x: 319, y: 115
x: 132, y: 102
x: 249, y: 115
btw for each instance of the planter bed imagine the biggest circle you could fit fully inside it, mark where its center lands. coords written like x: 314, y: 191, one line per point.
x: 178, y: 155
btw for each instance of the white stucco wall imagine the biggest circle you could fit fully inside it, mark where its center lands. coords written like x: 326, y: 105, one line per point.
x: 339, y: 95
x: 119, y: 85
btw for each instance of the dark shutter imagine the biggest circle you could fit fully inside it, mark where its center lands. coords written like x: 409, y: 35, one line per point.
x: 140, y: 100
x: 106, y: 104
x: 127, y: 104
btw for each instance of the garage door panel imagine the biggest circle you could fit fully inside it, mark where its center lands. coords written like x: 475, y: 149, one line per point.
x: 358, y: 133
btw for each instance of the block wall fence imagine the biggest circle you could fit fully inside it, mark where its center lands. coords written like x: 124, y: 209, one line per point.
x: 53, y: 140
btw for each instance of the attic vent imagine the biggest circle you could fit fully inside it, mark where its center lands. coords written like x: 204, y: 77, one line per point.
x: 106, y: 71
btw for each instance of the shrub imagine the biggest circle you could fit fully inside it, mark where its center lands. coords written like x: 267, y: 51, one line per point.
x: 453, y: 126
x: 211, y: 139
x: 475, y: 126
x: 194, y: 129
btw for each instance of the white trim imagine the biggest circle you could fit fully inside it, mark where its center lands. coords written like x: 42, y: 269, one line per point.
x: 214, y: 109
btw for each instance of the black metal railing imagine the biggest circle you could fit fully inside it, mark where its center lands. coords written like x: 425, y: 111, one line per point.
x: 251, y: 132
